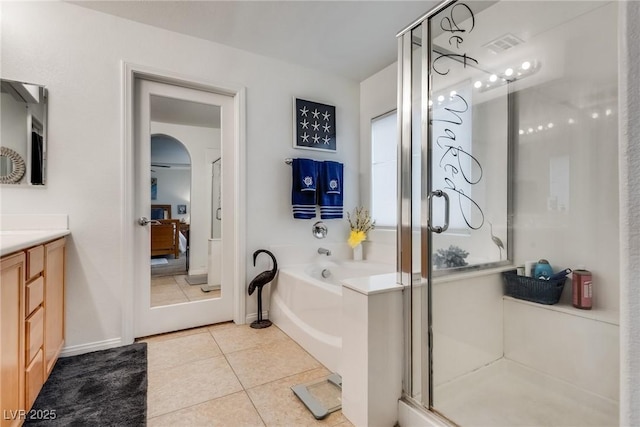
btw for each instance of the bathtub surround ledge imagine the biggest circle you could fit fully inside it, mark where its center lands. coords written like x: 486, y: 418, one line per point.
x: 371, y: 349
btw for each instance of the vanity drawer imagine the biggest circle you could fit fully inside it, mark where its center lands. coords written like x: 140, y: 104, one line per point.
x: 34, y: 378
x: 35, y: 261
x: 34, y: 295
x: 34, y: 330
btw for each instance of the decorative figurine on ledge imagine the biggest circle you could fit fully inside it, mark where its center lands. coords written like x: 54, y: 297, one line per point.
x: 258, y: 282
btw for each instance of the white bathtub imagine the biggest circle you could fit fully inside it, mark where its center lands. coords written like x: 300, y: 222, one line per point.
x: 308, y: 307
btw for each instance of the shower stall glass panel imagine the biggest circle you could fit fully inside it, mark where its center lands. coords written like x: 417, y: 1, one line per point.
x: 507, y: 117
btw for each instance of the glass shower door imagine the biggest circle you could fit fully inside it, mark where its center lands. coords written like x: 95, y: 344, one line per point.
x: 470, y: 142
x: 508, y: 117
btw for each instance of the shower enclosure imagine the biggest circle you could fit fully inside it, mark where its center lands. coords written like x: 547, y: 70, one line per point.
x: 508, y: 127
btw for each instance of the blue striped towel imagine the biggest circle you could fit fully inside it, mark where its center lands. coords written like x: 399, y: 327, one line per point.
x: 303, y: 189
x: 331, y: 190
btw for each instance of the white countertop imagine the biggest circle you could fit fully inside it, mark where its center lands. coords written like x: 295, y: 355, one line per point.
x: 16, y: 240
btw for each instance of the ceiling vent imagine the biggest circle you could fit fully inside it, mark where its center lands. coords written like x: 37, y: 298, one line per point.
x: 503, y: 43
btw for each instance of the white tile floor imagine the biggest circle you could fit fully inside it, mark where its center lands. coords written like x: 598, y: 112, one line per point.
x: 230, y: 375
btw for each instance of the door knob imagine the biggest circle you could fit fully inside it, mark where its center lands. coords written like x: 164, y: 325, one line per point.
x: 143, y: 220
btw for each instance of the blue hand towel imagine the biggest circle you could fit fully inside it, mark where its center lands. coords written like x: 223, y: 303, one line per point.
x: 331, y: 190
x: 303, y: 189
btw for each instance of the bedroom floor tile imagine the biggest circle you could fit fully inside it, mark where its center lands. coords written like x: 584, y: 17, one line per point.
x: 167, y: 294
x: 163, y: 280
x: 194, y: 293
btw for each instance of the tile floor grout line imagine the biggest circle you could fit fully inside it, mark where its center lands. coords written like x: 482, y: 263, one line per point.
x: 240, y: 382
x: 202, y: 403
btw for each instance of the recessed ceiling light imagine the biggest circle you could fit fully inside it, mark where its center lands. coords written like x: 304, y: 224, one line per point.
x: 550, y: 125
x: 493, y: 78
x: 477, y: 84
x: 441, y: 98
x: 608, y: 112
x: 508, y: 72
x: 526, y: 65
x: 540, y: 127
x: 453, y: 93
x: 521, y: 132
x: 595, y: 115
x: 530, y: 130
x: 571, y: 121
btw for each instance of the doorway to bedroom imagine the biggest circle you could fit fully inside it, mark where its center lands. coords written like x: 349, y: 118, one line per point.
x: 181, y: 137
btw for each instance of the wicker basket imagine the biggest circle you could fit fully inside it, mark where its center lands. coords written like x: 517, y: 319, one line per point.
x: 532, y: 289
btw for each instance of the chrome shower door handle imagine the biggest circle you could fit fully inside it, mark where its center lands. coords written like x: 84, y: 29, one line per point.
x: 437, y: 228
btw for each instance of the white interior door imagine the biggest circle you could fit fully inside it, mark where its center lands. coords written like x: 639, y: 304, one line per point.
x: 150, y: 320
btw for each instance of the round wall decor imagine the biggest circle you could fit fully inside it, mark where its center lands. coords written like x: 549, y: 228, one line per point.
x: 18, y: 166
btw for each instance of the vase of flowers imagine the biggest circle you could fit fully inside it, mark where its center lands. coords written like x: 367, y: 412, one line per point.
x: 360, y: 224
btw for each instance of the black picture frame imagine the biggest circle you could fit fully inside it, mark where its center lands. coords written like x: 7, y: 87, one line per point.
x: 314, y: 125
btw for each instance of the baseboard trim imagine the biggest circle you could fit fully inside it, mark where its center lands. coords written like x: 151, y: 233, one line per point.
x: 254, y: 316
x: 74, y: 350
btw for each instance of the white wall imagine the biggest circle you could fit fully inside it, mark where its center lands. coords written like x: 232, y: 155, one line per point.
x: 568, y: 346
x: 586, y: 231
x: 77, y: 54
x: 173, y: 186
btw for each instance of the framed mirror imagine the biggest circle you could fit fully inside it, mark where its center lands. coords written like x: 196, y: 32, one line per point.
x: 23, y: 140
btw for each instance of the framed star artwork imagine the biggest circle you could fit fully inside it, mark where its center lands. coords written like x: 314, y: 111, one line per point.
x: 314, y: 125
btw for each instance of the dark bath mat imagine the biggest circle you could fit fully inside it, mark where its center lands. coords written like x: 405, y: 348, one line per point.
x: 103, y: 388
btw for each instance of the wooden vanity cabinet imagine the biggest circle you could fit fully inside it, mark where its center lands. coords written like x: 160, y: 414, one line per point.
x: 53, y: 302
x: 32, y: 325
x: 12, y: 396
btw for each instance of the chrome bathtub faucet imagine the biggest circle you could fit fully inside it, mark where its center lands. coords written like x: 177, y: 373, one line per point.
x: 323, y: 251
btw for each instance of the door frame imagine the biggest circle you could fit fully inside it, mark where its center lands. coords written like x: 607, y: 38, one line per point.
x: 130, y: 72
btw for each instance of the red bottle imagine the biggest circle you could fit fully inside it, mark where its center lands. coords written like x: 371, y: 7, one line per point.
x: 582, y: 289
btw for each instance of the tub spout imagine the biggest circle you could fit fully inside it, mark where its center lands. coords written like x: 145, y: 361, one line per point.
x: 323, y: 251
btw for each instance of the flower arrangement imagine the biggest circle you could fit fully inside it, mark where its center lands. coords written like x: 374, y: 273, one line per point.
x: 360, y: 224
